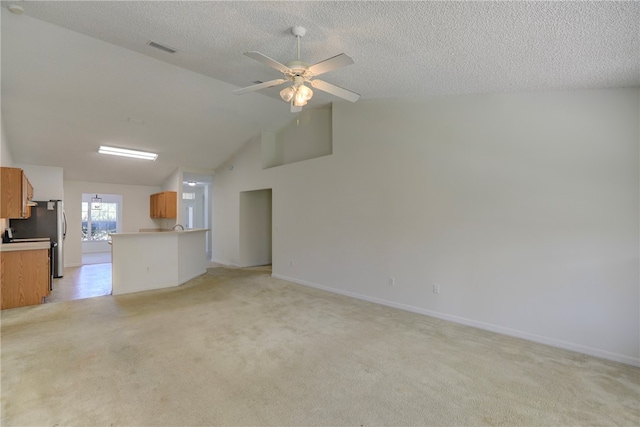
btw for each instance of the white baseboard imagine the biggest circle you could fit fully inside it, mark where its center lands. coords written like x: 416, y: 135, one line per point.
x: 223, y: 262
x: 476, y: 324
x: 191, y: 276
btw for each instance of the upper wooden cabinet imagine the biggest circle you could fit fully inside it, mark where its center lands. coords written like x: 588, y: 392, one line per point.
x: 15, y: 193
x: 164, y: 205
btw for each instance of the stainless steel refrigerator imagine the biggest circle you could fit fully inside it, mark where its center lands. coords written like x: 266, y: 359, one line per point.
x: 47, y: 221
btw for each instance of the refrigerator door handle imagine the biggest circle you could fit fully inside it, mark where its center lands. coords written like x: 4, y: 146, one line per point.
x: 64, y: 229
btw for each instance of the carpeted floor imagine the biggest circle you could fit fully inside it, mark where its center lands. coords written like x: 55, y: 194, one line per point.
x: 238, y: 347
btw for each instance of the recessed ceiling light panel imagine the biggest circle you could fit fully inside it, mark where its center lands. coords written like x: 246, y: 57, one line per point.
x: 127, y: 153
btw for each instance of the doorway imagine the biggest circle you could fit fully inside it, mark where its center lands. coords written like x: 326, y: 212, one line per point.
x: 101, y: 215
x: 255, y: 228
x: 196, y: 204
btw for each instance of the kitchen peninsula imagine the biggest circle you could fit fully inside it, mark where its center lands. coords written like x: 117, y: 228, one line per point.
x: 156, y: 259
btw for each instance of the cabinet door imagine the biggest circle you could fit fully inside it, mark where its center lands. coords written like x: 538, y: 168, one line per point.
x: 27, y: 194
x: 16, y: 190
x: 11, y: 196
x: 24, y: 277
x: 29, y: 188
x: 153, y: 203
x: 171, y: 209
x: 161, y: 206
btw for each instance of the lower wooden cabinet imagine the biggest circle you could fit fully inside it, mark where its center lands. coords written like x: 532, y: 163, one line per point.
x: 164, y: 205
x: 24, y: 277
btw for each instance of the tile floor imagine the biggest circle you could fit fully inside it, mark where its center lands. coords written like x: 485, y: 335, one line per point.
x: 87, y: 281
x: 93, y: 279
x: 96, y: 258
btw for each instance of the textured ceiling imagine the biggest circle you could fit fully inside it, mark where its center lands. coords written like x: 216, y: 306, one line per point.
x: 64, y: 89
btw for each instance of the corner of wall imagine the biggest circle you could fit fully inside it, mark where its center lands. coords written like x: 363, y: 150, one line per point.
x: 174, y: 183
x: 6, y: 157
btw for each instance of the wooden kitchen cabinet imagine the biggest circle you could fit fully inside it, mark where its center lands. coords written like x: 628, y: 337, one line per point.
x: 15, y: 193
x: 29, y: 187
x: 164, y: 205
x: 24, y: 277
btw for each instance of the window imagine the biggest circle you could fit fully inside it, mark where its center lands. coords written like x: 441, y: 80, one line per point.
x: 98, y: 223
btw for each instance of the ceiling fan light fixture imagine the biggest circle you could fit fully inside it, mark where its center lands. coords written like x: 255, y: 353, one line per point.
x: 303, y: 94
x: 298, y: 73
x: 299, y: 102
x: 287, y: 93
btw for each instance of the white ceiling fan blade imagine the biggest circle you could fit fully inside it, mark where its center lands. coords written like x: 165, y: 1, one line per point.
x: 267, y: 61
x: 330, y: 64
x: 259, y: 86
x: 335, y: 90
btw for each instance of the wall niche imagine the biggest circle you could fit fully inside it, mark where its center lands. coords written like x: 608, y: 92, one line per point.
x: 307, y: 136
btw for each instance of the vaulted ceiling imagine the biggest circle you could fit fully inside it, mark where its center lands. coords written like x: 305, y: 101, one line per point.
x: 76, y: 75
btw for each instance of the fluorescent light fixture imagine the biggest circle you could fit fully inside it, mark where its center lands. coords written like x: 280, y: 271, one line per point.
x: 127, y: 153
x: 192, y: 183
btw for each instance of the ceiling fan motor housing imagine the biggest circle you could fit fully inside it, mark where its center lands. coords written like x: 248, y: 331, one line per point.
x: 298, y: 69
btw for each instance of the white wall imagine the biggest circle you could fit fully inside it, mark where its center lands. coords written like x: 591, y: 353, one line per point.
x: 306, y: 136
x: 173, y: 183
x: 6, y: 158
x: 135, y: 211
x: 523, y: 208
x: 47, y: 181
x: 255, y: 228
x: 226, y: 189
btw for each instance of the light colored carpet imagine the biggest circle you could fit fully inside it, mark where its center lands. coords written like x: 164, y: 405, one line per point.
x: 237, y: 347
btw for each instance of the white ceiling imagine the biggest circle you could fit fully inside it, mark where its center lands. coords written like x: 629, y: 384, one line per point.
x: 73, y: 73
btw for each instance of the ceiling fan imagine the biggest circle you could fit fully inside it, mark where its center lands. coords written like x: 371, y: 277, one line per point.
x: 299, y: 73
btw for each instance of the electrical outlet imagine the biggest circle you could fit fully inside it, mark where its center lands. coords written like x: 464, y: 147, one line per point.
x: 436, y: 289
x: 392, y: 281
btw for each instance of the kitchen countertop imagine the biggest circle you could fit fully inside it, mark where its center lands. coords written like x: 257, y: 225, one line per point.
x: 24, y: 246
x: 154, y: 231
